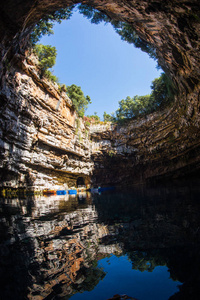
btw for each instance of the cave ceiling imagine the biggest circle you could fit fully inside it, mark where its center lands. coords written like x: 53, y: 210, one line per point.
x: 171, y: 26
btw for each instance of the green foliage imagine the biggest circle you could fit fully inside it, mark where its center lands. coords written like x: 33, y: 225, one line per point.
x: 125, y: 30
x: 63, y: 88
x: 47, y: 59
x: 79, y: 101
x: 94, y: 15
x: 162, y: 95
x: 107, y: 117
x: 48, y: 74
x: 163, y: 91
x: 111, y: 153
x: 77, y: 126
x: 128, y: 34
x: 45, y: 25
x: 77, y: 123
x: 87, y: 123
x: 133, y: 107
x: 94, y: 117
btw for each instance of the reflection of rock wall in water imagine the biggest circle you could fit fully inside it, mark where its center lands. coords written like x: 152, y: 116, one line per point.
x: 56, y: 241
x: 58, y: 251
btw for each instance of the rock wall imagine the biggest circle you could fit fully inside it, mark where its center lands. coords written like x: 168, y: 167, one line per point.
x: 38, y: 140
x: 40, y: 143
x: 159, y: 147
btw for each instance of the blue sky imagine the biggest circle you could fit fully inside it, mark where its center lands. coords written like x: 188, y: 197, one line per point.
x: 95, y: 58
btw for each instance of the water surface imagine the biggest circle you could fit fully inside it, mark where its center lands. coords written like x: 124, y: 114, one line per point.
x: 143, y: 243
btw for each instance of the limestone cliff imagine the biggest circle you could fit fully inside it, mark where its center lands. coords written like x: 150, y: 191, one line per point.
x: 160, y: 146
x: 38, y: 140
x: 40, y: 143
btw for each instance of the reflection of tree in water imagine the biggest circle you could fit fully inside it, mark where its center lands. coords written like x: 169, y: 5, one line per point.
x: 145, y: 261
x: 54, y: 253
x: 183, y: 264
x: 92, y: 277
x: 157, y: 228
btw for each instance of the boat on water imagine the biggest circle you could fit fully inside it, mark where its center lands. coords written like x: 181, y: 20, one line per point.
x: 94, y: 190
x: 61, y: 192
x: 49, y: 192
x: 97, y: 190
x: 72, y: 192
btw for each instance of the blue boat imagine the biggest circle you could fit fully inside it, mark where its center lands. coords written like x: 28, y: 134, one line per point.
x: 72, y: 192
x: 94, y: 190
x: 61, y: 192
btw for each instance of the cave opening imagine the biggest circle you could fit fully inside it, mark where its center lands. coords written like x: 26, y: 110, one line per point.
x: 157, y: 141
x: 100, y: 59
x: 164, y: 146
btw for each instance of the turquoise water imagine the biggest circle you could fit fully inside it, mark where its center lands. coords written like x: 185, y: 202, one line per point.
x: 121, y: 279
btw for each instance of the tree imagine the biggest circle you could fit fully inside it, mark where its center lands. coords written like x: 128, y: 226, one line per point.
x: 45, y: 25
x: 108, y: 117
x: 125, y: 109
x: 163, y: 91
x: 133, y: 107
x: 92, y: 14
x: 125, y: 30
x: 47, y: 58
x: 128, y: 34
x: 92, y: 119
x: 79, y: 101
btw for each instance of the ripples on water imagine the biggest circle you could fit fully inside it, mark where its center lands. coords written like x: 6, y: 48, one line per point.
x: 143, y: 243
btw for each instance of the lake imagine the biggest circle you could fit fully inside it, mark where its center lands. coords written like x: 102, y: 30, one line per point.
x: 142, y: 243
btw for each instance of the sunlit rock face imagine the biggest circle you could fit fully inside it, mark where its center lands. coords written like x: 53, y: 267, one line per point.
x: 40, y: 142
x: 162, y: 144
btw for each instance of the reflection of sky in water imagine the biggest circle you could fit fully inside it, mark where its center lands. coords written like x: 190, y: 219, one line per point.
x: 64, y: 238
x: 122, y: 279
